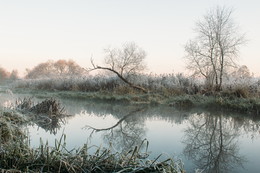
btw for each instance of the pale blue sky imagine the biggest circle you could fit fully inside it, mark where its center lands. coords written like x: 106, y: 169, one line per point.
x: 33, y: 31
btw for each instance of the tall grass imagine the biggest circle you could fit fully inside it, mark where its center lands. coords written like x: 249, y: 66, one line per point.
x: 169, y: 83
x: 19, y: 156
x: 165, y: 84
x: 237, y: 94
x: 16, y: 155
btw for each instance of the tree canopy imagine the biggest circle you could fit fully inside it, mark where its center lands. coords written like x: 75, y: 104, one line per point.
x: 60, y: 68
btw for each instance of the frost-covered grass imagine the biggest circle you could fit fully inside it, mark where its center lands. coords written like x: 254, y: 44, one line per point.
x: 238, y: 94
x: 16, y: 155
x: 90, y: 84
x: 168, y: 84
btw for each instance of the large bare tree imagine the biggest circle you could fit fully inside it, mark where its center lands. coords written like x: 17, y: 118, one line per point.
x: 124, y: 62
x: 215, y: 47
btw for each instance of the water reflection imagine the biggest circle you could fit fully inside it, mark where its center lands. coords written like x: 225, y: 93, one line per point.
x: 46, y: 114
x: 129, y: 131
x: 50, y: 124
x: 210, y: 138
x: 211, y: 141
x: 102, y: 109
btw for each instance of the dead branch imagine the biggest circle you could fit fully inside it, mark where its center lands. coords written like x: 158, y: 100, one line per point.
x: 96, y: 67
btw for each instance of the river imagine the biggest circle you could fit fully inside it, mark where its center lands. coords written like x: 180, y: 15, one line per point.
x: 206, y: 141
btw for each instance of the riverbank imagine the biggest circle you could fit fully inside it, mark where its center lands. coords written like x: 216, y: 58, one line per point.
x: 226, y: 101
x: 16, y: 155
x: 160, y: 100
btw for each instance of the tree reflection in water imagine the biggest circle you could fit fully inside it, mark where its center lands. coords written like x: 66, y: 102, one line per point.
x: 210, y: 139
x: 128, y: 132
x: 211, y: 142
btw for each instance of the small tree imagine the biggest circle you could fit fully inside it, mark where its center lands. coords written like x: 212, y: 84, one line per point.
x: 124, y: 62
x: 14, y: 75
x: 242, y: 75
x: 242, y: 72
x: 3, y: 74
x: 216, y: 46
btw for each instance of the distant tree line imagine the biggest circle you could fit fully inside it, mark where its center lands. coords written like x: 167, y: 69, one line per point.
x: 59, y: 68
x: 5, y: 75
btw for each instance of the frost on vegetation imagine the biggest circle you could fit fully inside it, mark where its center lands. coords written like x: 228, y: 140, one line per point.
x: 110, y: 83
x: 169, y: 84
x: 16, y: 155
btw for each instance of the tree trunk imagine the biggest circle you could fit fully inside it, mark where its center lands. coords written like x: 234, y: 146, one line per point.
x: 124, y: 79
x: 221, y: 70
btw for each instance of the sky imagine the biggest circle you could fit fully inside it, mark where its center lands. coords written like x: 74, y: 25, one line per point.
x: 34, y: 31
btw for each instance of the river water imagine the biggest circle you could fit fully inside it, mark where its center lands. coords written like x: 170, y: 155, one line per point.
x: 209, y: 141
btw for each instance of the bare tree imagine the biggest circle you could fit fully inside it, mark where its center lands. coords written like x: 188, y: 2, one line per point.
x: 216, y: 46
x: 241, y: 76
x: 242, y: 72
x: 14, y: 75
x: 60, y: 66
x: 124, y: 62
x: 4, y: 74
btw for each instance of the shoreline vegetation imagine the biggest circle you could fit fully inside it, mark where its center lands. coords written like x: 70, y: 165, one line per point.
x: 175, y: 91
x: 172, y: 90
x: 16, y: 155
x: 221, y: 101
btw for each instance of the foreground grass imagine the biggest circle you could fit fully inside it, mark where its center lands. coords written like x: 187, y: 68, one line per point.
x: 16, y: 155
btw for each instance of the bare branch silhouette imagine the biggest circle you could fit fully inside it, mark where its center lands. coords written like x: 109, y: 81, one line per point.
x: 119, y: 122
x: 124, y: 62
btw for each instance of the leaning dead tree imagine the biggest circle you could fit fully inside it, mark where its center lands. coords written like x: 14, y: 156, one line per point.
x: 124, y: 62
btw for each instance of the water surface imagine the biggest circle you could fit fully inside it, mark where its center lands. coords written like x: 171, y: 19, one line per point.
x: 205, y: 140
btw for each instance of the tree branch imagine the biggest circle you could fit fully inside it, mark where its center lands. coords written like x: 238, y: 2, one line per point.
x: 96, y: 67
